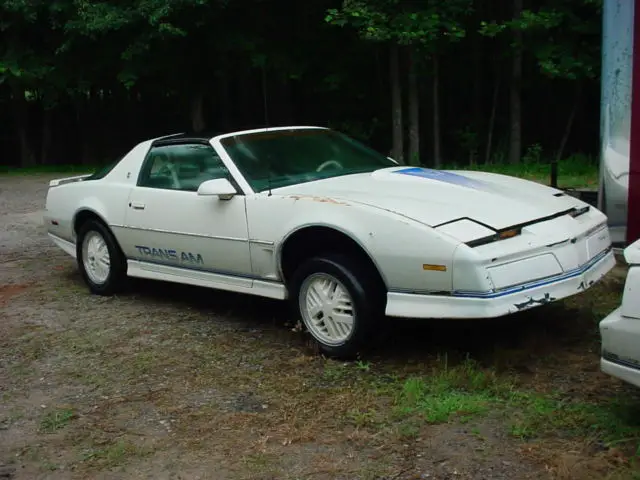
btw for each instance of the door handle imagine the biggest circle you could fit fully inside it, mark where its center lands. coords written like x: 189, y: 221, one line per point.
x: 137, y: 205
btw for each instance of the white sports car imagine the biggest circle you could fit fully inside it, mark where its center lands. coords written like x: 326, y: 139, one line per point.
x: 348, y: 235
x: 620, y: 330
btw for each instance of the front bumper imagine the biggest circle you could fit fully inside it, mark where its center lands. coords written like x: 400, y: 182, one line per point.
x: 620, y: 334
x: 500, y: 303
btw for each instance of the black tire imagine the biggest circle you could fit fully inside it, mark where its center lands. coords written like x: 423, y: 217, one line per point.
x: 367, y: 295
x: 117, y: 276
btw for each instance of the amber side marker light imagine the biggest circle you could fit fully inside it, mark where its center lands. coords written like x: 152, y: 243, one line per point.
x: 512, y: 232
x: 509, y: 233
x: 436, y: 268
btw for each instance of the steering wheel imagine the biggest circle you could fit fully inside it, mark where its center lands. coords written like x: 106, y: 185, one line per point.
x: 323, y: 165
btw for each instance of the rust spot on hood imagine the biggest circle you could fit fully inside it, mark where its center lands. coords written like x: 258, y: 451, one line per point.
x: 317, y: 199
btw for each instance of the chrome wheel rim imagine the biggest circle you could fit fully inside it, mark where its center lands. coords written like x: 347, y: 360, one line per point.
x: 95, y: 257
x: 327, y: 309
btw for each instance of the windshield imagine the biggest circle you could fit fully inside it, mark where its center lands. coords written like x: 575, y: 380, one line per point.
x: 281, y: 158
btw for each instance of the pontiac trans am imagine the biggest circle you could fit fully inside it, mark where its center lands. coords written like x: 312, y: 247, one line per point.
x: 348, y: 236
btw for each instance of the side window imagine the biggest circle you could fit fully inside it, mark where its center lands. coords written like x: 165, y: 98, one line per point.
x: 104, y: 171
x: 181, y: 167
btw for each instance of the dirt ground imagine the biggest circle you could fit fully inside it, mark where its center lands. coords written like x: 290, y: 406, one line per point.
x: 173, y: 382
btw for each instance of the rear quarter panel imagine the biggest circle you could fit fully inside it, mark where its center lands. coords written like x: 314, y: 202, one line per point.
x: 106, y: 197
x: 107, y: 200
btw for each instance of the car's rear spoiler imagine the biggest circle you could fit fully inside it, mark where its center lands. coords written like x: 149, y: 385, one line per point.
x: 61, y: 181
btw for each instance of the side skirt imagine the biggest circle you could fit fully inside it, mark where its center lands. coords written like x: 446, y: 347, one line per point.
x: 199, y: 278
x: 64, y: 245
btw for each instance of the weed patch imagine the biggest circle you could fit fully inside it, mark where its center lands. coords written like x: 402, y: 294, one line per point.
x: 465, y: 391
x: 459, y: 391
x: 55, y: 420
x: 613, y: 422
x: 113, y: 455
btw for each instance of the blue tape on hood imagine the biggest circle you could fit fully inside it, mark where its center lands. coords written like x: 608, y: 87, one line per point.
x: 442, y: 176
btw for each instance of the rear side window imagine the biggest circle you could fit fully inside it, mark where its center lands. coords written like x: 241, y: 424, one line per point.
x: 102, y: 172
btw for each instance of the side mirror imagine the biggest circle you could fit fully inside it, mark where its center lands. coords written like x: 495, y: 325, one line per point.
x: 220, y: 187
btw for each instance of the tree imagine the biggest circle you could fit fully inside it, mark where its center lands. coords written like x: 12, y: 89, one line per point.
x: 563, y: 36
x: 422, y: 27
x: 107, y: 73
x: 29, y: 63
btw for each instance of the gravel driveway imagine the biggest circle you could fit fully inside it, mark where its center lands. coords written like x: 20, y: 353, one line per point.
x: 172, y: 382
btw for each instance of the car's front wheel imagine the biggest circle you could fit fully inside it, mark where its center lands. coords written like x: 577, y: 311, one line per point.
x: 339, y: 302
x: 100, y: 260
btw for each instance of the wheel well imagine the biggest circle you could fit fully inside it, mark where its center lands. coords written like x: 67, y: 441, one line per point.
x: 83, y: 217
x: 313, y: 241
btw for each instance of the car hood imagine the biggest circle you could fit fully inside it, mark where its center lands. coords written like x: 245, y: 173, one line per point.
x: 434, y: 197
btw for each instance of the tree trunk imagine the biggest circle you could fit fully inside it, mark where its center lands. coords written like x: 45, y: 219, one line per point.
x: 21, y: 113
x: 133, y: 119
x: 515, y: 94
x: 477, y: 99
x: 86, y: 122
x: 492, y: 119
x: 380, y: 70
x: 396, y: 106
x: 46, y: 136
x: 247, y: 98
x: 565, y: 137
x: 437, y: 158
x: 414, y: 111
x: 570, y: 120
x: 27, y: 158
x: 197, y: 113
x: 224, y: 118
x: 286, y: 101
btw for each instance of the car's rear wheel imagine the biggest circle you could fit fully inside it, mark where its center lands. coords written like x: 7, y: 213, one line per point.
x: 339, y: 303
x: 100, y: 260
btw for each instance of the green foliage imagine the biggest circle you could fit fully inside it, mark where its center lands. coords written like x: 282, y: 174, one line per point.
x: 577, y: 171
x: 47, y: 41
x: 612, y: 423
x: 80, y: 55
x: 55, y: 420
x: 467, y: 390
x: 404, y: 22
x: 460, y: 391
x: 563, y: 35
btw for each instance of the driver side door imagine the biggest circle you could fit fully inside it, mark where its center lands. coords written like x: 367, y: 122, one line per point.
x: 169, y: 225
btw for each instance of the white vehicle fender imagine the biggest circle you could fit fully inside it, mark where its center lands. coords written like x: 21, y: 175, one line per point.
x: 93, y: 205
x: 406, y: 252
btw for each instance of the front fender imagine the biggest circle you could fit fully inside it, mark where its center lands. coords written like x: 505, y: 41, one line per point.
x: 400, y: 247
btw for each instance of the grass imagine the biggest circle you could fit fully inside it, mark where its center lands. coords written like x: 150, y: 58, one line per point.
x: 48, y: 169
x: 211, y: 382
x: 112, y: 455
x: 461, y: 391
x: 467, y: 390
x: 577, y: 171
x: 55, y: 420
x: 613, y: 422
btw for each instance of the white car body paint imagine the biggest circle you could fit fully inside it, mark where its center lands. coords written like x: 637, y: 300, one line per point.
x: 620, y: 330
x: 404, y: 219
